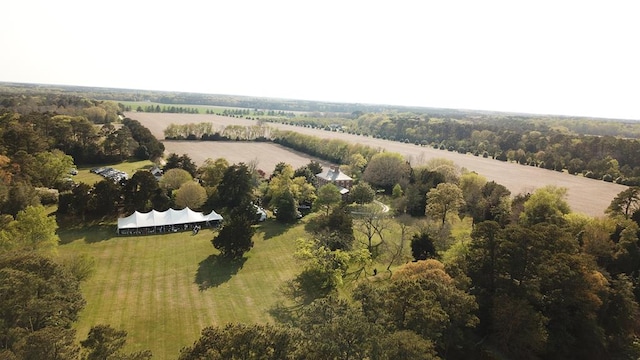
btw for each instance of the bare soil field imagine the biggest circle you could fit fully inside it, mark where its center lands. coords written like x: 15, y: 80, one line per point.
x: 587, y: 196
x: 265, y: 155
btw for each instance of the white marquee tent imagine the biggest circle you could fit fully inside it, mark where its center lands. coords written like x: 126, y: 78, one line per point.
x: 165, y: 221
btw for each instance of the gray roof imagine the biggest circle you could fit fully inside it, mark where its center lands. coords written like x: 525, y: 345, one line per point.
x: 334, y: 175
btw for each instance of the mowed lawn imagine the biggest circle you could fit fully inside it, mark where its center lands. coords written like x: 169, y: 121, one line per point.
x: 164, y: 289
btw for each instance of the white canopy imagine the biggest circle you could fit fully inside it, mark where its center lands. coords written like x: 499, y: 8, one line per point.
x: 163, y: 218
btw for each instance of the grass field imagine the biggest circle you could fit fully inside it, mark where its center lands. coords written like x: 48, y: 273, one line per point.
x: 130, y: 167
x: 164, y: 289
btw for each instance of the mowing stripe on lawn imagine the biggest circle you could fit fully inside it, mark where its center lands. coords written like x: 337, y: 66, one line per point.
x: 148, y: 285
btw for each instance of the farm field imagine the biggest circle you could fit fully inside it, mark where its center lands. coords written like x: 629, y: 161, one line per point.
x: 266, y: 155
x: 164, y: 289
x: 587, y: 196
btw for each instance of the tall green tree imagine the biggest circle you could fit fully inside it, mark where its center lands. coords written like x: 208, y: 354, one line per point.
x: 36, y: 294
x: 191, y: 195
x: 139, y: 190
x: 384, y: 170
x: 235, y: 189
x: 444, y: 200
x: 625, y: 203
x: 183, y: 162
x: 172, y: 179
x: 236, y: 236
x: 239, y: 341
x: 32, y: 230
x: 211, y: 172
x: 362, y: 193
x: 547, y: 204
x: 328, y: 197
x: 53, y: 167
x: 106, y: 197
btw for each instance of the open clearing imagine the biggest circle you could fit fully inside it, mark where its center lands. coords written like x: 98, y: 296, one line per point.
x: 164, y: 289
x: 586, y: 196
x: 266, y: 155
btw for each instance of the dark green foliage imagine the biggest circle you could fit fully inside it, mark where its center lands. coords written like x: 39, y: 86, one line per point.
x: 335, y: 231
x: 105, y: 343
x: 493, y: 205
x: 239, y: 341
x: 236, y: 236
x: 333, y: 329
x: 540, y: 297
x: 422, y: 247
x: 54, y: 342
x: 308, y: 174
x: 287, y: 208
x: 106, y: 197
x: 362, y: 193
x: 138, y: 192
x: 235, y: 188
x: 39, y: 301
x: 626, y: 203
x: 20, y: 196
x: 422, y: 180
x: 235, y: 198
x: 149, y: 147
x: 315, y: 167
x: 183, y: 162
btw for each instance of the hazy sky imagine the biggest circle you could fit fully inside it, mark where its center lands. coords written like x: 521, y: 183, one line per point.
x: 558, y: 57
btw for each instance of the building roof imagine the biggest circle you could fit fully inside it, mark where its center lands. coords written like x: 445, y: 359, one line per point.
x: 334, y: 174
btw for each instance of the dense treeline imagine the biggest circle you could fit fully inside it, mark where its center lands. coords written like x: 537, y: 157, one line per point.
x: 39, y: 150
x: 96, y: 111
x: 76, y: 136
x: 165, y: 109
x: 209, y: 131
x: 334, y: 150
x: 232, y: 101
x: 547, y: 143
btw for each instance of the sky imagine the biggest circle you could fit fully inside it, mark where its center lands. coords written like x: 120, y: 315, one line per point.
x: 577, y: 58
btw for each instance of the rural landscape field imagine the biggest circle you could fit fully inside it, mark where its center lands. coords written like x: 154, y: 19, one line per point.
x: 164, y: 289
x: 443, y: 234
x: 586, y: 196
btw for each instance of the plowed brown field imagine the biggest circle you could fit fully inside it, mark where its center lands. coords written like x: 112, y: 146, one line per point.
x: 586, y: 196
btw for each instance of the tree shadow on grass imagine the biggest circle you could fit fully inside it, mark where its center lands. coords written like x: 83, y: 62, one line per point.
x: 90, y: 234
x: 216, y: 270
x: 272, y: 228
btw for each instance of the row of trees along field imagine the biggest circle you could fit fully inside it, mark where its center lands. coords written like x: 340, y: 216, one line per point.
x: 599, y: 149
x: 587, y: 148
